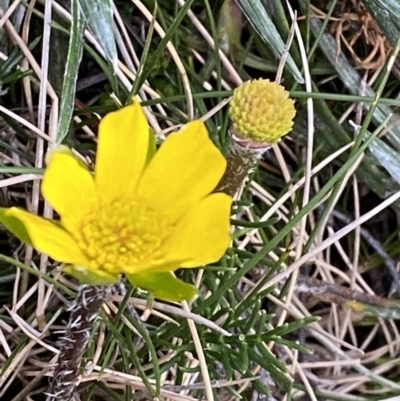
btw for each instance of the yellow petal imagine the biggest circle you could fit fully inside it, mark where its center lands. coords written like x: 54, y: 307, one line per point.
x: 47, y: 237
x: 202, y: 234
x: 69, y: 187
x: 184, y: 170
x: 121, y: 152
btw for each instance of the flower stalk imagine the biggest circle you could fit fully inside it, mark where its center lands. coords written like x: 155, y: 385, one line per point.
x: 84, y: 312
x: 240, y: 162
x: 261, y: 114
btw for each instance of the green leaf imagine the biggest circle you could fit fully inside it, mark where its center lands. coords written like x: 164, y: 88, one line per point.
x: 387, y: 157
x: 87, y: 276
x: 15, y: 226
x: 99, y: 16
x: 262, y: 24
x: 74, y: 58
x: 163, y: 285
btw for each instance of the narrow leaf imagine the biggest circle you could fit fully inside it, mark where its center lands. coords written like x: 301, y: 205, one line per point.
x: 262, y: 24
x: 99, y: 16
x: 387, y: 157
x: 74, y: 58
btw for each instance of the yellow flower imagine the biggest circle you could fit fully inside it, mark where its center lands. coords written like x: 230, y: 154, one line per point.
x: 134, y: 215
x: 261, y: 111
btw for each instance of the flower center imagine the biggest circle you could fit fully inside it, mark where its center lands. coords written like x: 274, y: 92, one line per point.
x: 122, y: 235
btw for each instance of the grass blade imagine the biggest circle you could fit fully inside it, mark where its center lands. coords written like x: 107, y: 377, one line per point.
x: 99, y: 16
x: 74, y: 58
x: 261, y: 22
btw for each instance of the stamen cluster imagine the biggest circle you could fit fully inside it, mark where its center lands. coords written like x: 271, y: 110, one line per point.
x: 120, y: 234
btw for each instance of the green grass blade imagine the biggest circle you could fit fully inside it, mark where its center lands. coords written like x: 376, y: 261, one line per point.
x: 261, y: 22
x: 387, y: 157
x: 74, y: 57
x: 99, y: 16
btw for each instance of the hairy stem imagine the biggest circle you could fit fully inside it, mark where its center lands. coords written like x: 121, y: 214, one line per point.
x: 84, y: 312
x: 241, y: 160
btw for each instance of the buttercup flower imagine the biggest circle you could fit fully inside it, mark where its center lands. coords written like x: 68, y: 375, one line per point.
x: 140, y: 214
x: 261, y: 111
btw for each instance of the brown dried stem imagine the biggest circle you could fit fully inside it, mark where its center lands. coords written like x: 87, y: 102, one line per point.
x: 355, y: 300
